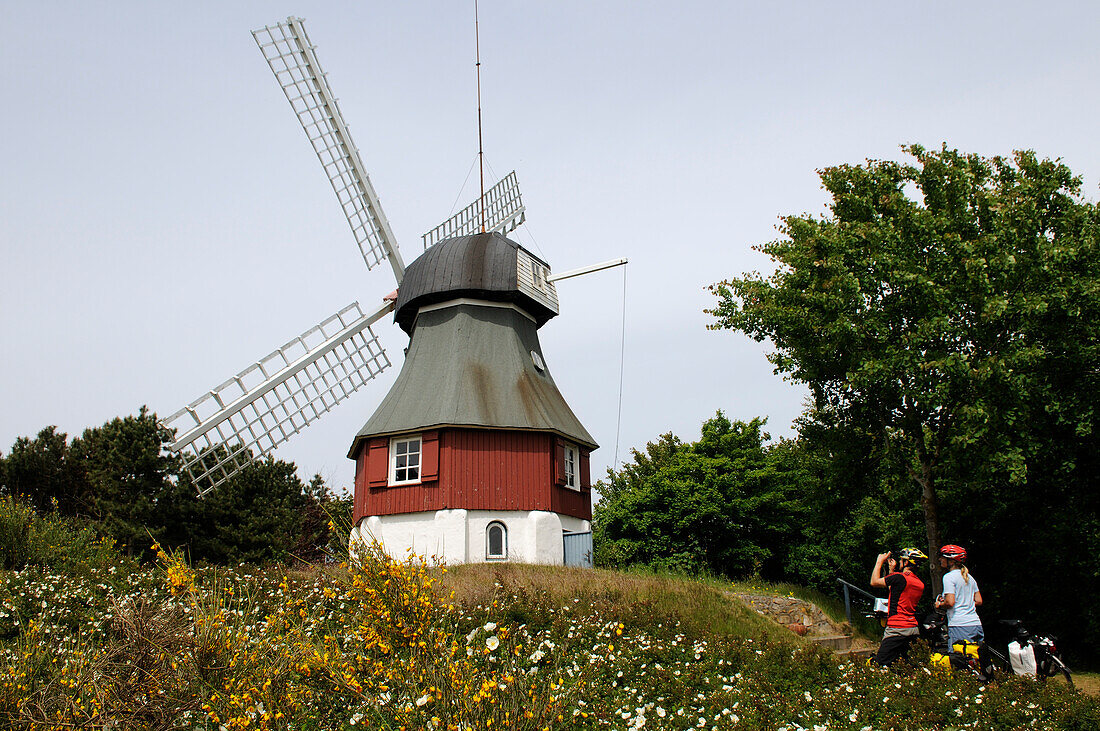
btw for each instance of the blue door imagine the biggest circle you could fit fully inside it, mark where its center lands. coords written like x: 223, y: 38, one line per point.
x: 578, y: 549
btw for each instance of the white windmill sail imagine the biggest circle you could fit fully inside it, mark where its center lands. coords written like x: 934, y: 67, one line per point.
x: 291, y: 57
x: 246, y: 417
x: 500, y: 210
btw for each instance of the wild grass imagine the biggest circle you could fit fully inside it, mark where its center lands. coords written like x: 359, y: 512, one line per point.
x: 703, y: 608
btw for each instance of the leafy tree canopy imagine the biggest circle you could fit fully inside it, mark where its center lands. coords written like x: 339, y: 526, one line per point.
x: 126, y: 469
x: 122, y: 477
x: 940, y: 305
x: 720, y: 504
x: 41, y: 472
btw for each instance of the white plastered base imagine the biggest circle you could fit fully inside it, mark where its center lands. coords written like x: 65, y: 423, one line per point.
x: 460, y: 536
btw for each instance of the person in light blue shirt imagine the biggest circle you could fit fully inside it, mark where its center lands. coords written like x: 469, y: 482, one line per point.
x: 961, y: 597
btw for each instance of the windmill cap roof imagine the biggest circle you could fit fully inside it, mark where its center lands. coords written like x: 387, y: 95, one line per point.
x: 481, y: 266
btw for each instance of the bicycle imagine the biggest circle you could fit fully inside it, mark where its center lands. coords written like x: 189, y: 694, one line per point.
x: 1035, y: 656
x: 1048, y: 662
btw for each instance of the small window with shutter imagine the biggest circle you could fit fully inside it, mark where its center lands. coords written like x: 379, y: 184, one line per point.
x: 569, y: 468
x: 405, y: 460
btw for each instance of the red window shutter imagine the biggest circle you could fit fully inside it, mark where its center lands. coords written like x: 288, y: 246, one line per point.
x: 360, y: 500
x: 429, y: 456
x: 559, y: 461
x: 378, y: 462
x: 586, y: 470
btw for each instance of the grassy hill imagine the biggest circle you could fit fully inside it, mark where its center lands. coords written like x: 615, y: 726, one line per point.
x: 90, y: 640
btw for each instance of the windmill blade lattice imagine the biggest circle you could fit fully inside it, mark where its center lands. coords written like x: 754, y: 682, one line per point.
x: 273, y: 399
x: 289, y: 53
x: 500, y: 210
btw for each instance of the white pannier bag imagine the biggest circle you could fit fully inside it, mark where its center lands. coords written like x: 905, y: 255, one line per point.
x: 1022, y: 658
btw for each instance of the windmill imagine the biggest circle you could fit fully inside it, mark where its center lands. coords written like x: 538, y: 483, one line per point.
x: 469, y: 271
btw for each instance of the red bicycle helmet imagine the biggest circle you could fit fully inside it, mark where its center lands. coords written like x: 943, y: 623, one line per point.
x: 954, y: 553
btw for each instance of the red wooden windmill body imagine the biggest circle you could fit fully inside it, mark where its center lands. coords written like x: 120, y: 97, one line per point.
x: 474, y: 454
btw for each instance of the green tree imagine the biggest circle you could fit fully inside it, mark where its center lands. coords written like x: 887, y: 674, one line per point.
x: 122, y: 476
x: 263, y: 513
x: 719, y: 504
x: 42, y: 472
x: 857, y: 503
x: 127, y: 470
x: 325, y: 523
x: 632, y: 474
x: 937, y: 306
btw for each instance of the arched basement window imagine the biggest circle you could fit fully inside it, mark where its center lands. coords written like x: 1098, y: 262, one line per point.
x: 496, y: 541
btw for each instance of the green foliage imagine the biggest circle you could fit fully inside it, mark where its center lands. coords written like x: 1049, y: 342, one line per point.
x: 724, y: 504
x: 946, y: 318
x: 338, y: 511
x: 263, y: 514
x: 15, y: 527
x: 947, y: 307
x: 126, y: 469
x: 49, y: 540
x: 123, y: 478
x: 634, y: 474
x: 41, y: 472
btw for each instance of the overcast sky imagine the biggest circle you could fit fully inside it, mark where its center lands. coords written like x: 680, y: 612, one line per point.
x: 164, y: 222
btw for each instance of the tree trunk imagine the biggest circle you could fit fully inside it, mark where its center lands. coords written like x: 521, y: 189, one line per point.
x: 928, y: 502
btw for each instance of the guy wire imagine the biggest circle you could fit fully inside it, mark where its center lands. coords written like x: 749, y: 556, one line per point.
x: 622, y: 360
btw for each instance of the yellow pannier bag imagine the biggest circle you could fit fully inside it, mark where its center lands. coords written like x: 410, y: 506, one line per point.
x: 970, y: 649
x: 941, y: 661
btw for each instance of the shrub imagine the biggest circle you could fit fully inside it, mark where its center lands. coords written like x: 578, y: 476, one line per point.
x: 15, y: 528
x: 51, y: 540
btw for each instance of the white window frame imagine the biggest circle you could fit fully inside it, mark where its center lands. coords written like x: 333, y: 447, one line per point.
x: 540, y: 274
x: 569, y: 468
x: 408, y: 439
x: 503, y: 556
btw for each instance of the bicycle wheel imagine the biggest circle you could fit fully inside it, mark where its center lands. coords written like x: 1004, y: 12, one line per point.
x: 1056, y: 666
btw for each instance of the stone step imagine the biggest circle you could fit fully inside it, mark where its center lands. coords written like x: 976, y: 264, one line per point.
x: 857, y: 653
x: 836, y: 643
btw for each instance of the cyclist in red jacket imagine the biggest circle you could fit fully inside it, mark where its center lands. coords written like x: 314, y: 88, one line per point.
x: 904, y: 590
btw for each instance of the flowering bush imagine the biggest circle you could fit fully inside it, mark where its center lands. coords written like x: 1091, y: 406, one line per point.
x: 407, y: 645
